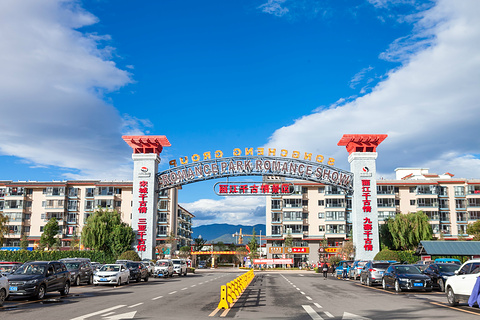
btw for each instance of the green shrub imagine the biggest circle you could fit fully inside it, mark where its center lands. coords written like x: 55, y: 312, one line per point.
x: 40, y: 255
x: 387, y: 254
x: 129, y: 255
x: 317, y: 270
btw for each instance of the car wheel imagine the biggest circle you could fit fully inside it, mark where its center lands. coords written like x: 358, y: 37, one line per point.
x: 185, y: 274
x: 119, y: 282
x: 441, y: 285
x: 146, y: 278
x: 451, y: 297
x: 77, y: 281
x: 138, y: 278
x: 3, y: 296
x: 384, y: 284
x: 66, y: 289
x: 128, y: 280
x: 369, y: 282
x: 90, y: 279
x: 41, y: 292
x: 397, y: 286
x: 361, y: 280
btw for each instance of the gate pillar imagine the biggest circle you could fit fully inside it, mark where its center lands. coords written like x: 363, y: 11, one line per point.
x: 146, y: 157
x: 362, y: 158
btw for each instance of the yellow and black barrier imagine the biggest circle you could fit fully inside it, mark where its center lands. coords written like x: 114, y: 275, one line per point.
x: 230, y: 292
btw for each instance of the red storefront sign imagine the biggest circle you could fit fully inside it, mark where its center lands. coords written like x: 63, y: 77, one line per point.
x: 367, y: 223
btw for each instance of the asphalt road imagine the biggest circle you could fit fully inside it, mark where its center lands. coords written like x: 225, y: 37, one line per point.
x: 271, y: 295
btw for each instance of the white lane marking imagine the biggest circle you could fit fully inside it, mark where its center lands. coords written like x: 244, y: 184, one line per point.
x: 98, y: 312
x: 294, y: 285
x: 308, y: 297
x: 173, y: 292
x: 312, y: 313
x: 302, y: 292
x: 317, y: 305
x: 201, y: 283
x: 298, y: 288
x: 328, y: 314
x: 193, y: 285
x: 184, y: 288
x: 156, y: 298
x: 301, y: 275
x: 108, y: 314
x: 136, y: 305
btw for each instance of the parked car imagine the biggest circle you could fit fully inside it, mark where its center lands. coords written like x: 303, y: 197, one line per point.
x: 138, y: 271
x: 81, y: 271
x: 439, y: 272
x: 405, y: 277
x: 39, y: 277
x: 448, y: 260
x: 164, y: 268
x: 8, y: 267
x: 112, y: 274
x: 373, y: 271
x: 339, y: 268
x: 150, y: 266
x: 3, y: 289
x: 202, y: 264
x: 355, y: 269
x: 459, y: 287
x: 96, y: 266
x: 180, y: 266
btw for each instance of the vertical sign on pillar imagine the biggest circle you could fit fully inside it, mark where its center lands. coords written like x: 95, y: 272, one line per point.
x: 362, y: 158
x: 146, y: 150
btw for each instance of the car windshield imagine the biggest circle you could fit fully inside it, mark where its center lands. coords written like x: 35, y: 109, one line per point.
x: 176, y: 261
x: 448, y: 267
x: 131, y: 265
x: 110, y: 268
x: 72, y: 265
x: 6, y: 268
x: 362, y: 263
x: 407, y: 270
x: 31, y: 269
x: 162, y: 263
x: 422, y: 266
x: 381, y: 265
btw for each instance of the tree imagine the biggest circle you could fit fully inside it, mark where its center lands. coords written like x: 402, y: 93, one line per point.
x: 24, y: 242
x: 407, y: 230
x: 240, y: 254
x: 347, y: 250
x: 474, y: 230
x: 106, y: 231
x: 184, y: 252
x: 129, y: 255
x: 50, y: 230
x: 3, y: 227
x: 253, y: 245
x: 75, y: 243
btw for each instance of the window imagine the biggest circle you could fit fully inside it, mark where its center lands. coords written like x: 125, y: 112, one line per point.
x: 292, y: 215
x: 459, y: 191
x: 335, y: 203
x: 104, y: 203
x: 162, y: 230
x: 412, y: 202
x: 276, y: 230
x: 304, y: 190
x: 89, y: 204
x: 333, y: 190
x: 335, y: 215
x: 321, y: 203
x: 292, y: 203
x: 412, y: 189
x: 118, y: 204
x: 89, y: 192
x: 162, y: 217
x: 321, y: 228
x: 427, y: 202
x: 321, y: 215
x: 460, y: 204
x: 276, y: 204
x: 385, y: 189
x: 321, y: 189
x: 335, y: 228
x: 72, y: 192
x: 26, y: 229
x: 276, y: 217
x: 72, y: 205
x: 474, y: 215
x: 474, y: 202
x: 104, y: 191
x: 292, y: 228
x: 162, y: 204
x: 386, y: 202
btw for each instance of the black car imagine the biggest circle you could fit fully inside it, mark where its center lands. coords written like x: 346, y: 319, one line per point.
x: 39, y: 277
x: 138, y: 271
x: 81, y: 271
x: 406, y: 277
x: 439, y: 272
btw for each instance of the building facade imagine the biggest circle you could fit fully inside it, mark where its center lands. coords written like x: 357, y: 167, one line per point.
x: 29, y: 206
x: 317, y: 213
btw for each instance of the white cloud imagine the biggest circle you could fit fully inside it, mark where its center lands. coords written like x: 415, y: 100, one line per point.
x: 232, y: 210
x: 51, y: 86
x: 429, y: 107
x: 274, y: 7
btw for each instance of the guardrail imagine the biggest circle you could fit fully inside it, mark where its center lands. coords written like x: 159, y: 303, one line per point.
x: 230, y: 292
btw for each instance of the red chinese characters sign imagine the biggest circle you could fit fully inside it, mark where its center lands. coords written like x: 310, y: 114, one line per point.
x: 142, y: 222
x: 231, y: 189
x: 367, y: 208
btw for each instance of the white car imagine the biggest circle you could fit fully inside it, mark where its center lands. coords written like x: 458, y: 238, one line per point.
x: 163, y: 268
x: 459, y: 287
x: 4, y: 289
x: 112, y: 274
x: 180, y: 267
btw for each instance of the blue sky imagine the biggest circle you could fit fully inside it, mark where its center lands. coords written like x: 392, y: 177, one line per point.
x: 292, y: 74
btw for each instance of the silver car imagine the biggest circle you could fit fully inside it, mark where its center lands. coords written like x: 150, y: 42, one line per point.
x: 373, y: 272
x: 4, y: 289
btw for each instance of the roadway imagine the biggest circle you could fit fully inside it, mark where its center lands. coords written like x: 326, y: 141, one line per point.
x: 271, y: 295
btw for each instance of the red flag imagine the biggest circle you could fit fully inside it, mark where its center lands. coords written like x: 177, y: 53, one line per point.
x: 247, y: 248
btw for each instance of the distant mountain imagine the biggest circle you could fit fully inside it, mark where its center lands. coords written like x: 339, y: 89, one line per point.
x: 223, y: 232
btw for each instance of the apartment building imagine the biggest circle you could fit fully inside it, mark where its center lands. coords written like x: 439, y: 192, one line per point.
x: 317, y: 212
x: 29, y: 205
